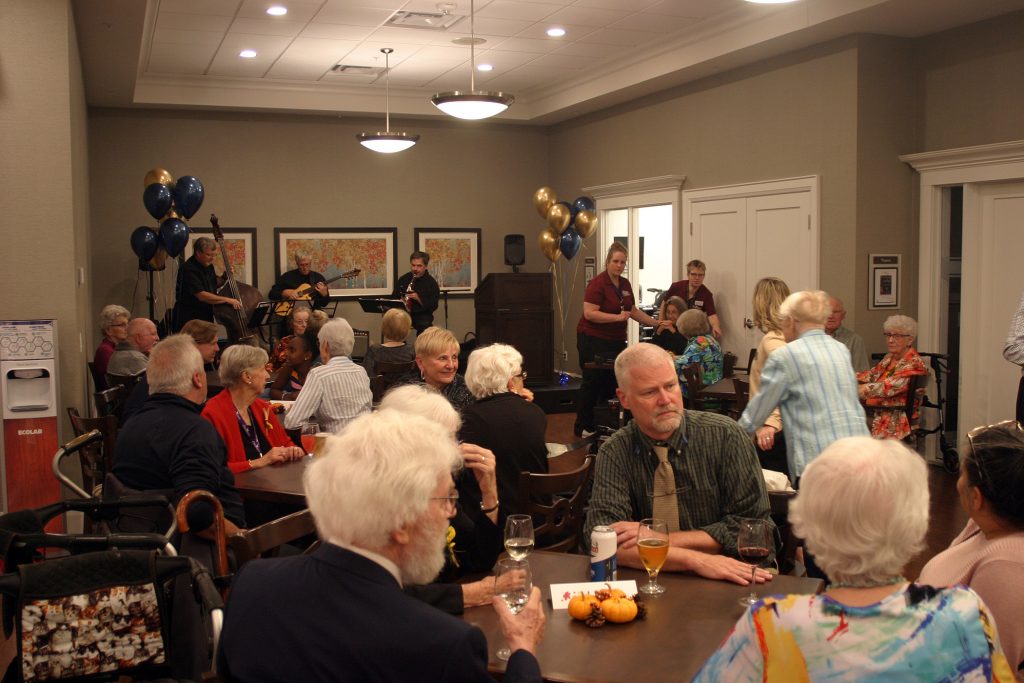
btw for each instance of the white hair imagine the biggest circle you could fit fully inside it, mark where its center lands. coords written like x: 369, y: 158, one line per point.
x: 417, y: 399
x: 862, y: 508
x: 338, y: 336
x: 377, y: 477
x: 237, y: 359
x: 806, y: 307
x: 902, y: 324
x: 172, y: 364
x: 639, y: 354
x: 110, y: 314
x: 490, y: 368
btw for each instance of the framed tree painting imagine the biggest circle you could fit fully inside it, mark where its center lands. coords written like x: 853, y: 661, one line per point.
x: 335, y: 251
x: 240, y: 243
x: 455, y: 257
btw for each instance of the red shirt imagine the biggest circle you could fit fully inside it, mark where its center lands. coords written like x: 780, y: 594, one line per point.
x: 702, y: 300
x: 220, y: 411
x: 609, y: 299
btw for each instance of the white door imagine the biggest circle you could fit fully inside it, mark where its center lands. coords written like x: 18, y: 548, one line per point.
x: 993, y: 240
x: 720, y: 241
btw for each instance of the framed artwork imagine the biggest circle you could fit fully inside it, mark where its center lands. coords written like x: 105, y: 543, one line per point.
x: 240, y: 244
x: 884, y: 276
x: 455, y: 257
x: 335, y: 251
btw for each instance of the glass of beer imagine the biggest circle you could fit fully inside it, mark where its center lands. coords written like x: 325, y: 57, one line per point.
x: 513, y: 584
x: 753, y: 543
x: 518, y: 536
x: 652, y: 543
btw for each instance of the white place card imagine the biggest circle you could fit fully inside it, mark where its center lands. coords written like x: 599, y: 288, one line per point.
x: 561, y: 593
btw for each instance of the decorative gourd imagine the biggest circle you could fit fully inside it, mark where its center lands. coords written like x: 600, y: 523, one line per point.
x: 581, y: 606
x: 619, y: 610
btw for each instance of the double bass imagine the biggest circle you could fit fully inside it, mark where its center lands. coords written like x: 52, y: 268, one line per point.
x: 234, y: 320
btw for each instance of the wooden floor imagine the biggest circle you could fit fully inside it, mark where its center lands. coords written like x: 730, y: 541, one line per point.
x: 947, y: 518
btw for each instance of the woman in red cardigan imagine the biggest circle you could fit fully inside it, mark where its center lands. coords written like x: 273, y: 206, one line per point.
x: 251, y: 431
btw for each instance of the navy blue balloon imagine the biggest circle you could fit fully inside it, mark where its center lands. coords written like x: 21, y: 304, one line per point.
x: 174, y: 236
x: 188, y: 196
x: 582, y: 204
x: 144, y: 242
x: 157, y: 199
x: 569, y: 243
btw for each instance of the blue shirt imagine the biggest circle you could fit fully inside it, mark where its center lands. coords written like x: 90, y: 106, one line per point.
x: 812, y: 381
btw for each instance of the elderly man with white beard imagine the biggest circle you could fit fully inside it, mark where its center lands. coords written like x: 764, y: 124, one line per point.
x: 381, y: 498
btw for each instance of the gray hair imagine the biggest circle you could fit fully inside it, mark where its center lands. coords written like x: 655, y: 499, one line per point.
x: 238, y: 359
x: 338, y: 336
x: 903, y: 324
x: 863, y: 508
x: 110, y: 314
x: 172, y: 364
x: 693, y: 322
x: 417, y: 399
x: 806, y: 307
x: 377, y: 476
x: 639, y: 354
x: 490, y: 368
x: 301, y: 256
x: 203, y: 244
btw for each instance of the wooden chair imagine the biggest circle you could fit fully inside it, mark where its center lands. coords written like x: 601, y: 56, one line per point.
x: 574, y: 455
x: 742, y: 387
x: 110, y: 401
x: 561, y: 525
x: 786, y: 542
x: 266, y: 540
x: 728, y: 364
x: 97, y: 458
x: 694, y: 377
x: 98, y: 380
x: 127, y: 381
x: 750, y: 362
x: 388, y: 375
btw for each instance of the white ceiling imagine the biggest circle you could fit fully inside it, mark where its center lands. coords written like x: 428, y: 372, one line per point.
x: 185, y: 53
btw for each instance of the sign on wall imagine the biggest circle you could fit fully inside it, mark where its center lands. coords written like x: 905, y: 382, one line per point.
x: 884, y: 276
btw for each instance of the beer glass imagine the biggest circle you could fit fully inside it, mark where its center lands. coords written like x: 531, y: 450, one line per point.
x: 652, y: 543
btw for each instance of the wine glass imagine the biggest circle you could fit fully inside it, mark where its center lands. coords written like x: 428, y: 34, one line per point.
x: 652, y: 543
x: 514, y: 590
x: 308, y: 432
x: 518, y: 536
x: 753, y: 543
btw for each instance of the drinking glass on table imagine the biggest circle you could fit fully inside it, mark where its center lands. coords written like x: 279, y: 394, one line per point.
x: 518, y: 536
x: 753, y: 544
x: 515, y: 593
x: 308, y: 434
x: 652, y: 544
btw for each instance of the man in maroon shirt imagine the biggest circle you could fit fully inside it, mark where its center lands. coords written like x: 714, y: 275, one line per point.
x: 696, y: 294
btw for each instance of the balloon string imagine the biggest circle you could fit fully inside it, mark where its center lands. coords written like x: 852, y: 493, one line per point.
x: 558, y: 301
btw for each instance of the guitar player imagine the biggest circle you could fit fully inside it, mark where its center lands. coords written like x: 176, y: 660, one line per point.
x: 419, y: 291
x: 288, y: 284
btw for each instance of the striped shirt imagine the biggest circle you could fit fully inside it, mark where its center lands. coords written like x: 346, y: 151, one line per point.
x: 812, y: 381
x: 718, y: 478
x: 333, y: 395
x: 1014, y: 349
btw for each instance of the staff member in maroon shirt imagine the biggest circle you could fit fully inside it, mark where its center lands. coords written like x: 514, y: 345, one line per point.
x: 696, y: 295
x: 607, y: 304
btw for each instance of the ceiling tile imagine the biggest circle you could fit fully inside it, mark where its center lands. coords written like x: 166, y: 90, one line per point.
x: 595, y: 50
x: 226, y: 8
x: 267, y: 27
x: 353, y: 16
x: 179, y: 59
x: 654, y: 23
x: 529, y: 45
x: 629, y: 5
x: 571, y: 62
x: 409, y: 36
x: 176, y: 21
x: 587, y: 16
x: 499, y: 27
x: 228, y: 63
x: 539, y: 31
x: 610, y: 36
x: 336, y: 31
x: 296, y: 72
x: 697, y: 9
x: 298, y: 10
x: 207, y: 38
x: 512, y: 9
x: 506, y: 61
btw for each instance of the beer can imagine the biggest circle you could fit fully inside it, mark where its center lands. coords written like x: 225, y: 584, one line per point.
x: 604, y: 565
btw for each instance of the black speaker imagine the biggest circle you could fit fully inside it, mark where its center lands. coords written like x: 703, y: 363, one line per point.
x: 515, y: 250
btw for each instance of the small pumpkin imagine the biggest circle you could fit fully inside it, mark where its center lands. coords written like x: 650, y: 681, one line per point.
x: 581, y: 606
x: 619, y: 610
x: 609, y: 592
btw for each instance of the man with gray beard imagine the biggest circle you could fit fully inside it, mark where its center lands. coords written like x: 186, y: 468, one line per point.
x: 381, y: 497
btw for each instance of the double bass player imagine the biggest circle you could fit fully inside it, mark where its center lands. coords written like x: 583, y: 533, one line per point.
x: 196, y: 287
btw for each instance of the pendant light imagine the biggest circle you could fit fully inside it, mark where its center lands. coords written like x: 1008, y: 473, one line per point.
x: 387, y: 142
x: 472, y: 104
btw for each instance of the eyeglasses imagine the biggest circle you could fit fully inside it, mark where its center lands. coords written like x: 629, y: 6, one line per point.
x: 522, y: 375
x: 120, y: 325
x: 450, y: 501
x: 893, y: 335
x: 978, y: 431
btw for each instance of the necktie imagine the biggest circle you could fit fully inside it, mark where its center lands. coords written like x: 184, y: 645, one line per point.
x: 666, y: 505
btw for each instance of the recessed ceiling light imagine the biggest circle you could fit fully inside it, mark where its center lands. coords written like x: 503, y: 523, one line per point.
x: 556, y: 32
x: 484, y: 67
x: 247, y: 54
x: 277, y: 11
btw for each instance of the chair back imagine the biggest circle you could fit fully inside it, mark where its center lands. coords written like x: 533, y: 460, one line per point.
x: 396, y: 369
x: 742, y: 389
x: 573, y: 454
x: 110, y: 401
x: 560, y: 526
x: 786, y: 542
x: 267, y: 539
x: 98, y: 380
x: 692, y: 373
x: 127, y: 381
x: 96, y: 458
x: 388, y: 375
x: 729, y: 361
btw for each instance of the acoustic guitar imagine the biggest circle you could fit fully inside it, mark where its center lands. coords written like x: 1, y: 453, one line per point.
x: 304, y: 292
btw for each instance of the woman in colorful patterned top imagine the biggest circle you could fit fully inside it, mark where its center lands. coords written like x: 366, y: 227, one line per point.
x: 886, y: 384
x: 863, y: 512
x: 702, y: 348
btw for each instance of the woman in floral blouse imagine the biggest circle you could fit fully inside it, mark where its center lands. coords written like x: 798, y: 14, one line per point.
x: 702, y: 348
x: 886, y: 384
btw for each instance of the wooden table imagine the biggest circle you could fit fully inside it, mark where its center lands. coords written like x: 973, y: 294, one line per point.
x: 683, y: 627
x: 275, y: 484
x: 723, y: 388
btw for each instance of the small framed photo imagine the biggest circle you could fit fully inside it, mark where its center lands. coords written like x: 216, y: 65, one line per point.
x: 455, y: 256
x: 240, y: 245
x: 884, y: 276
x: 355, y: 261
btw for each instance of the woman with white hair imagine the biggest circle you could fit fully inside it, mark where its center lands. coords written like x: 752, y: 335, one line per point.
x: 114, y: 325
x: 863, y: 512
x: 249, y: 428
x: 886, y: 384
x: 702, y: 348
x: 503, y: 420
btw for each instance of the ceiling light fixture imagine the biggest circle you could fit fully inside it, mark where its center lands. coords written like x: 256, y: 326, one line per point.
x: 387, y: 142
x: 484, y: 67
x: 247, y: 54
x: 472, y: 104
x: 556, y: 32
x: 277, y: 11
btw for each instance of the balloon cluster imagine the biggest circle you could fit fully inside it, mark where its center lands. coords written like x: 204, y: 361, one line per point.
x: 171, y: 203
x: 568, y: 224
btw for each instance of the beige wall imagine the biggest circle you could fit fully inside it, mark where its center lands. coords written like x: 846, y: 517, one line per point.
x: 268, y: 171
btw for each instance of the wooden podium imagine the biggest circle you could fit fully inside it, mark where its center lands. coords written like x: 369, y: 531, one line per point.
x: 515, y: 309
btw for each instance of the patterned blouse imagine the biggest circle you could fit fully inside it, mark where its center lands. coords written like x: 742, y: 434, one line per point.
x: 703, y: 349
x: 918, y: 633
x: 887, y: 385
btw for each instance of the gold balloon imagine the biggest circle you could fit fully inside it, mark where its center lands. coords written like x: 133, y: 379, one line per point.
x: 158, y: 262
x: 558, y: 218
x: 586, y: 223
x: 172, y: 214
x: 543, y: 199
x: 159, y: 175
x: 548, y: 242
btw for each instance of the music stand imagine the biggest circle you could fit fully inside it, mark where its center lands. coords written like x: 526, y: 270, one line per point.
x: 261, y: 317
x: 371, y: 304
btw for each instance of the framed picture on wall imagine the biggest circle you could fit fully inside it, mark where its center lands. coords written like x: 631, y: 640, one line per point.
x: 455, y: 257
x: 240, y: 243
x: 336, y: 251
x: 884, y: 277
